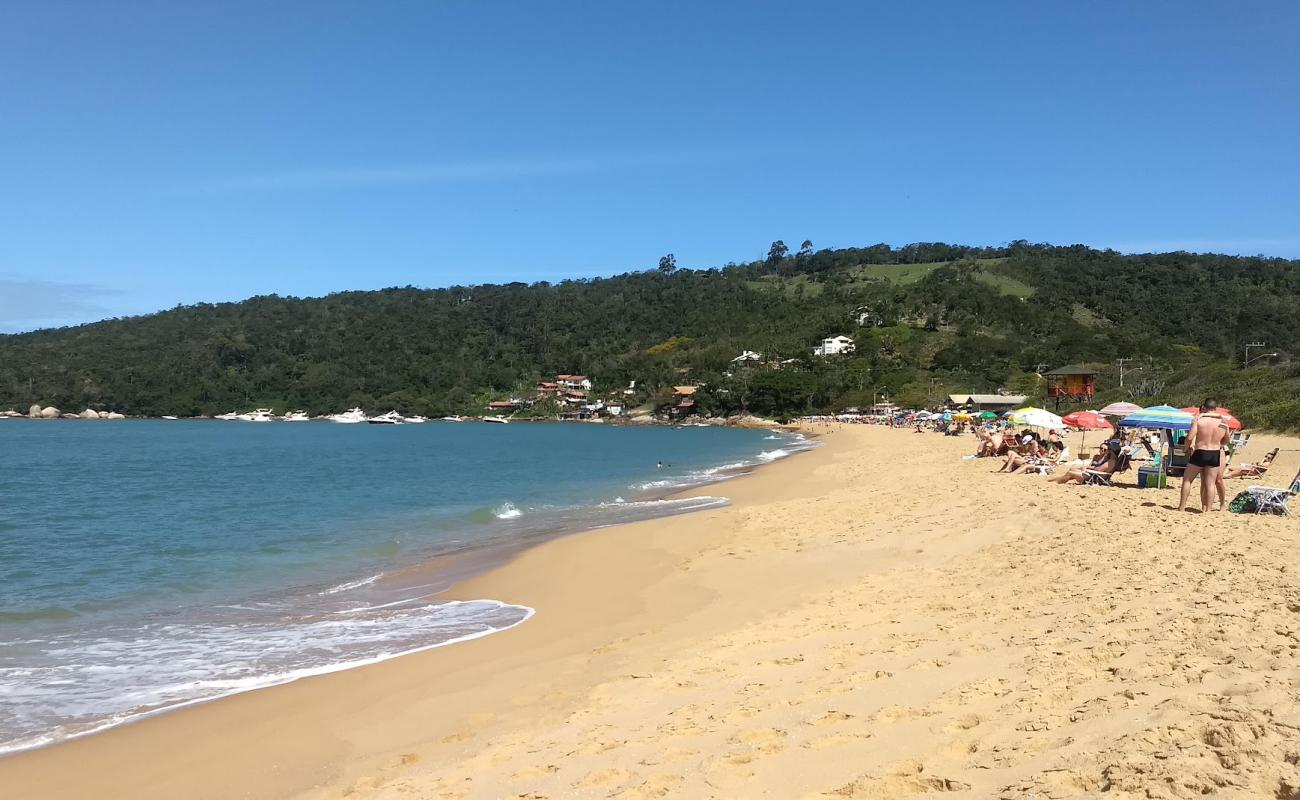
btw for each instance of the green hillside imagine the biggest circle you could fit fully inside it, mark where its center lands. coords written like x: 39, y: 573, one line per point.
x: 941, y: 318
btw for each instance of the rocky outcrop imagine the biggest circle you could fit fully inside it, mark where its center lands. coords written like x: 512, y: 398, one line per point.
x: 89, y: 414
x: 34, y: 412
x: 112, y: 415
x: 50, y: 412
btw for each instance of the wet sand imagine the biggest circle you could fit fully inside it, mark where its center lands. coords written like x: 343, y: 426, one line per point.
x: 876, y: 618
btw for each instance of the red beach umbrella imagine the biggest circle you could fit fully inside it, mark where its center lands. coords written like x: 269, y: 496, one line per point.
x: 1234, y: 424
x: 1086, y: 420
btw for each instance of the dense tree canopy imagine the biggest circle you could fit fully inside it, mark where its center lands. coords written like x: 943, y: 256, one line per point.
x: 927, y: 318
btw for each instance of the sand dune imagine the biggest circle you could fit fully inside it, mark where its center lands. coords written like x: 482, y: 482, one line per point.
x: 877, y: 619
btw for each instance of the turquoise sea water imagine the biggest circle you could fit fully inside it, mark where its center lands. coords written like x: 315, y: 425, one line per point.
x: 146, y: 565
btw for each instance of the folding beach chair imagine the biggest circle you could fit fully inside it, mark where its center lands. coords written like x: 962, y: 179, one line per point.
x: 1272, y: 500
x: 1239, y: 441
x: 1104, y: 478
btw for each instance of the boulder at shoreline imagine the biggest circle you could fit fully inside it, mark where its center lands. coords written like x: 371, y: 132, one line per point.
x: 50, y: 412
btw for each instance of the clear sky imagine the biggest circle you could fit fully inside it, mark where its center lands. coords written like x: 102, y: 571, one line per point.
x: 155, y: 153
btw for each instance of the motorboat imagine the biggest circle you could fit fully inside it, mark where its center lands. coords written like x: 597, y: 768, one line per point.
x: 500, y: 419
x: 391, y: 418
x: 256, y: 415
x: 227, y: 417
x: 453, y: 418
x: 416, y: 420
x: 169, y: 416
x: 349, y: 417
x: 296, y: 416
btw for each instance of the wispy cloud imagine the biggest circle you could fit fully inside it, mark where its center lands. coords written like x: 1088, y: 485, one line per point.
x: 434, y: 173
x: 28, y: 304
x: 1273, y: 247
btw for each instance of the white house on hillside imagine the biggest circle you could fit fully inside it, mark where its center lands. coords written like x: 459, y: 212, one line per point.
x: 747, y: 356
x: 575, y: 382
x: 834, y: 346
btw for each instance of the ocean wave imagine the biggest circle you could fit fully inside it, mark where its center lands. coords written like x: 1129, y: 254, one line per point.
x: 773, y: 455
x: 507, y: 510
x: 343, y: 587
x: 124, y: 674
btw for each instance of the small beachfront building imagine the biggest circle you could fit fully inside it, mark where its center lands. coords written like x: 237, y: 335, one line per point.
x: 684, y: 399
x: 834, y: 346
x: 997, y: 403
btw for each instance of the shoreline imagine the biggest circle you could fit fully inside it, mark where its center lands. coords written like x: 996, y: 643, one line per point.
x: 440, y: 574
x: 878, y: 618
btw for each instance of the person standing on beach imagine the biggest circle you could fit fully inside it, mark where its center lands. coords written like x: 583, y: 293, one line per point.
x: 1205, y: 443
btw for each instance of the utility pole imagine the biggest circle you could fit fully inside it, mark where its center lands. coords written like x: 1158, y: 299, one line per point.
x: 1122, y: 362
x: 1246, y: 361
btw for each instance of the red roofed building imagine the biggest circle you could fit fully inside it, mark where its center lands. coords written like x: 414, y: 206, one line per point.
x: 574, y: 381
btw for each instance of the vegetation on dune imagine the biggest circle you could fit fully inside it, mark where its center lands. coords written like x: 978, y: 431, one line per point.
x: 937, y: 318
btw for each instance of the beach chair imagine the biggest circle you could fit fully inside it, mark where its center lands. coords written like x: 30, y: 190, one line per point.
x: 1125, y: 461
x: 1239, y: 441
x: 1273, y: 500
x: 1258, y: 470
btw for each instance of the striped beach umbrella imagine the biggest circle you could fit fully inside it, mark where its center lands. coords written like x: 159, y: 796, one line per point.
x: 1036, y: 418
x: 1165, y: 418
x: 1120, y: 409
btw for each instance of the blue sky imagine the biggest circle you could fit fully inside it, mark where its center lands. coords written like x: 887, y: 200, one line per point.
x: 155, y: 153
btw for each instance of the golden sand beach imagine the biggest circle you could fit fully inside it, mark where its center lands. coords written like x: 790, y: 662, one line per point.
x: 875, y: 619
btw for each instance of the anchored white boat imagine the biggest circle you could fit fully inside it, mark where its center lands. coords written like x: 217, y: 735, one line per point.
x: 228, y: 417
x: 453, y: 418
x: 499, y: 419
x: 349, y: 417
x: 296, y: 416
x: 416, y: 420
x: 391, y: 418
x: 257, y: 415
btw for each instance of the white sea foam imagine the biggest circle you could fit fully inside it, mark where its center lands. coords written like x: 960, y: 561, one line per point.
x: 78, y: 686
x: 772, y: 455
x: 507, y: 511
x: 343, y: 587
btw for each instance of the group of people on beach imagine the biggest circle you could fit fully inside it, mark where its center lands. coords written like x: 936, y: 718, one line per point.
x: 1207, y: 445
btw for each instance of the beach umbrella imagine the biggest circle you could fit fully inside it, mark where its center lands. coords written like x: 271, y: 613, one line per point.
x: 1234, y: 424
x: 1120, y: 409
x: 947, y: 417
x: 1036, y: 418
x: 1086, y: 421
x: 962, y: 416
x: 1165, y: 418
x: 988, y: 415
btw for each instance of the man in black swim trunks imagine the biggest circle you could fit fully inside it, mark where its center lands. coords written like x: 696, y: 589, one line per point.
x: 1205, y: 444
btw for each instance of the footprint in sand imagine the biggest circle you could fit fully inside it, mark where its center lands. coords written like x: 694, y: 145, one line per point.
x: 605, y: 777
x: 535, y: 772
x: 899, y: 713
x: 831, y: 717
x: 964, y: 723
x: 764, y: 740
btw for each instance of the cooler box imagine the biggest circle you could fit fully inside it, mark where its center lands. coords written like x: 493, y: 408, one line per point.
x: 1152, y: 477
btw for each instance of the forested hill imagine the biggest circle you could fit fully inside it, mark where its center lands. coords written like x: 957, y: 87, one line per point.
x: 935, y: 318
